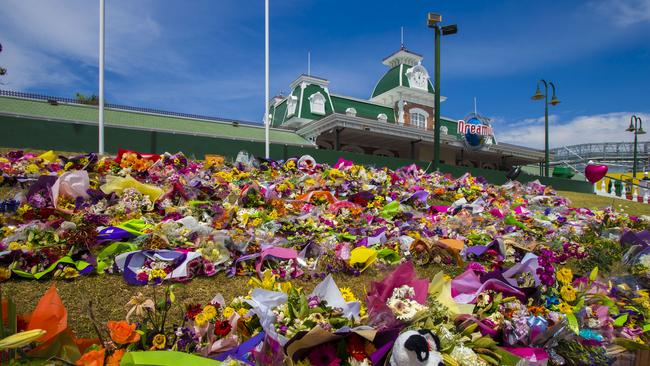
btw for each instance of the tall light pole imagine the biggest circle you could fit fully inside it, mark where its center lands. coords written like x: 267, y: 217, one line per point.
x: 267, y: 147
x: 101, y: 77
x: 554, y: 101
x: 636, y: 126
x: 433, y: 21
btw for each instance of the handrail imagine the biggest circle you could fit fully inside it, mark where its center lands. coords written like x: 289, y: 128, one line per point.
x: 15, y: 94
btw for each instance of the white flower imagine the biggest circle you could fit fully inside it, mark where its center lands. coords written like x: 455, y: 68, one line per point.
x: 466, y: 356
x: 353, y: 362
x: 644, y: 260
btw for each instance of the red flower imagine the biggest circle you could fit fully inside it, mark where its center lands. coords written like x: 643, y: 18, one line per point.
x: 193, y: 310
x: 222, y: 328
x: 355, y: 347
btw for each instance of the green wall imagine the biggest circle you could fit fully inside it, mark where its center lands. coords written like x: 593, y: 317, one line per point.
x: 41, y: 134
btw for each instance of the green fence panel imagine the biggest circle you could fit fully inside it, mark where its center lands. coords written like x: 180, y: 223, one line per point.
x: 65, y: 136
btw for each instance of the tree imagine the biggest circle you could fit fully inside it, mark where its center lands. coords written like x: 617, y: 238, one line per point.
x: 3, y: 71
x: 92, y: 100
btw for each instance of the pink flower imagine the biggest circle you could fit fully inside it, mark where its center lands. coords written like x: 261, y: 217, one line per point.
x: 476, y: 267
x: 143, y: 276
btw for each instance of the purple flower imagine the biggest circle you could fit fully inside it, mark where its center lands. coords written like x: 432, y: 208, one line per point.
x: 313, y: 301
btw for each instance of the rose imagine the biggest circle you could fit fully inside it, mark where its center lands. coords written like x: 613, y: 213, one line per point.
x: 92, y: 358
x: 122, y: 332
x: 159, y: 341
x: 115, y: 358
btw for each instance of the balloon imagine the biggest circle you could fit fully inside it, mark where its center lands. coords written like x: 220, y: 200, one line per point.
x: 595, y: 172
x: 514, y: 173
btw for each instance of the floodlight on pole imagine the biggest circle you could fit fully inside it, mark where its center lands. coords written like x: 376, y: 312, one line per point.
x: 101, y: 77
x: 267, y: 147
x: 433, y: 21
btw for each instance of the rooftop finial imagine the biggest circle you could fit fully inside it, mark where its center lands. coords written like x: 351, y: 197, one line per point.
x: 402, y: 38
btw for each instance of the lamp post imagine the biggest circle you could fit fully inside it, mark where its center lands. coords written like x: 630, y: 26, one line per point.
x: 636, y: 126
x: 554, y: 101
x: 433, y: 21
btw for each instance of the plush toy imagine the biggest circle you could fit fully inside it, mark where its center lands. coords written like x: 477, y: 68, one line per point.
x: 416, y: 348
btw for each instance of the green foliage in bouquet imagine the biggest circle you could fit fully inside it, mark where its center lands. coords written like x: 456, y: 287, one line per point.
x: 577, y: 354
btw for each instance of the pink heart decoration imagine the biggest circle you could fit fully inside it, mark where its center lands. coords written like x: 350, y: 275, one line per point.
x: 595, y: 172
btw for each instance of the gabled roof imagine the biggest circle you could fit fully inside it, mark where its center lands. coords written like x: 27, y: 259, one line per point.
x: 72, y: 112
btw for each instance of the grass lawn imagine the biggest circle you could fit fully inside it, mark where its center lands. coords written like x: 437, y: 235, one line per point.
x: 593, y: 201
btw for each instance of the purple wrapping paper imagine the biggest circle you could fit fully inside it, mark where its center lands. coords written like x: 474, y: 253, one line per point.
x: 113, y: 233
x: 467, y: 286
x: 240, y: 352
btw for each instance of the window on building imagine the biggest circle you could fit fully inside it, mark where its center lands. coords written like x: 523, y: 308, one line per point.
x: 292, y: 102
x: 351, y: 111
x: 418, y: 120
x: 317, y: 103
x: 382, y: 117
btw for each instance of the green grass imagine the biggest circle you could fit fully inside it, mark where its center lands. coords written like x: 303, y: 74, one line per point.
x: 593, y: 201
x: 109, y: 293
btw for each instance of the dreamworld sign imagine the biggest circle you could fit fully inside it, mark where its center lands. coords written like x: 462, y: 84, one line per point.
x: 476, y: 131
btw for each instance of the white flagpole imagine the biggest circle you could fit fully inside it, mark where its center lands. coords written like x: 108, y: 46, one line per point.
x: 266, y: 78
x: 101, y: 77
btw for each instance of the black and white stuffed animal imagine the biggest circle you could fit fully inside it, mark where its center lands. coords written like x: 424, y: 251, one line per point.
x: 416, y: 348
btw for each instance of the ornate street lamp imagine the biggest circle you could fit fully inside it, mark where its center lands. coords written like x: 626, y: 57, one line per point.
x: 554, y: 101
x: 636, y: 126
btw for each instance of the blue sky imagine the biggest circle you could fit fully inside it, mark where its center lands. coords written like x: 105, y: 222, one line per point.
x: 206, y: 57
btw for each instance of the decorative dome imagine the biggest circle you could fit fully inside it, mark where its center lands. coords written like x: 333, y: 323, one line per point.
x: 401, y: 63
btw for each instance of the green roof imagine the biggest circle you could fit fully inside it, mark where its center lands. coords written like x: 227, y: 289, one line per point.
x: 391, y: 80
x: 278, y: 113
x: 364, y: 109
x: 132, y: 119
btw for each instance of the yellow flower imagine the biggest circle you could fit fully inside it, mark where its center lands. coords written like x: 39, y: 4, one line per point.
x: 565, y: 308
x: 568, y: 293
x: 31, y: 169
x: 210, y: 312
x: 284, y: 286
x: 14, y: 245
x: 159, y: 341
x: 70, y: 272
x: 157, y: 273
x: 227, y: 312
x: 256, y: 222
x: 347, y: 294
x: 5, y: 273
x: 564, y: 275
x: 200, y: 319
x: 458, y: 196
x: 242, y: 312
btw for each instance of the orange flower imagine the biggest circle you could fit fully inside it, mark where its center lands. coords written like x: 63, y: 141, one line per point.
x: 115, y: 358
x: 92, y: 358
x: 123, y: 332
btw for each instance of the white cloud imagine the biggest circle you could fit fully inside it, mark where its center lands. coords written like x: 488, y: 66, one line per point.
x: 624, y: 13
x: 608, y: 127
x: 52, y: 42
